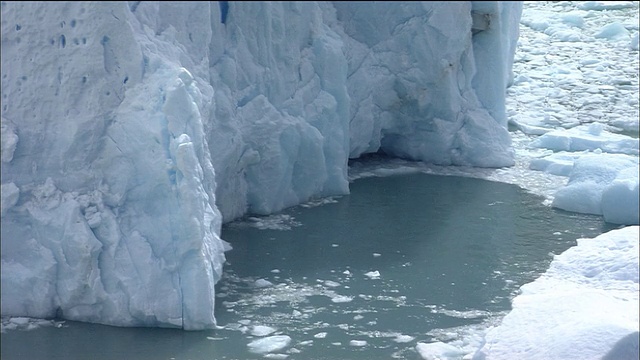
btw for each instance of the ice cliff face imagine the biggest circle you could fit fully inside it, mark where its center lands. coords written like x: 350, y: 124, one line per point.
x: 131, y: 130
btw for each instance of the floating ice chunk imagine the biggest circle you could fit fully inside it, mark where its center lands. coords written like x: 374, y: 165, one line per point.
x: 606, y: 5
x: 330, y: 283
x: 269, y: 344
x: 359, y: 343
x: 376, y: 255
x: 587, y: 137
x: 403, y: 338
x: 564, y: 35
x: 261, y: 283
x: 614, y: 31
x: 595, y: 129
x: 276, y: 356
x: 535, y: 23
x: 573, y: 19
x: 438, y: 350
x: 521, y: 79
x: 373, y: 274
x: 559, y: 164
x: 530, y: 129
x: 26, y: 323
x: 589, y: 61
x: 620, y: 198
x: 635, y: 42
x: 342, y: 299
x: 592, y: 176
x: 273, y: 222
x: 320, y: 335
x: 319, y: 202
x: 469, y: 314
x: 261, y: 330
x: 19, y: 320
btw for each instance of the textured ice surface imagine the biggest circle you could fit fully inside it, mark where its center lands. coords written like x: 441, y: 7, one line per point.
x: 602, y: 179
x: 602, y: 184
x: 587, y: 137
x: 576, y: 96
x: 584, y: 307
x: 131, y: 130
x: 438, y: 350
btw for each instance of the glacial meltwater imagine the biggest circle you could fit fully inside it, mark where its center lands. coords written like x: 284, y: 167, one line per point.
x: 401, y: 260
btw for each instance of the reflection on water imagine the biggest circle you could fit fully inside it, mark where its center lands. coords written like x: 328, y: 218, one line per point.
x: 403, y: 259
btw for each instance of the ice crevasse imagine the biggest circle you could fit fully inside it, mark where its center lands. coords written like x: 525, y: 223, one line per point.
x: 132, y: 130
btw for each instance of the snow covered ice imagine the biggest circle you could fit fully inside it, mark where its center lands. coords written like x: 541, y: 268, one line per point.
x: 584, y: 307
x: 132, y: 131
x: 588, y: 94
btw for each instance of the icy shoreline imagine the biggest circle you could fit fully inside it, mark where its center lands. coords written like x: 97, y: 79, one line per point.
x: 584, y: 307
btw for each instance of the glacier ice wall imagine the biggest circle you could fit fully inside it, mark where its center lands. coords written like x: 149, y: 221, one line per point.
x: 417, y: 80
x: 130, y: 130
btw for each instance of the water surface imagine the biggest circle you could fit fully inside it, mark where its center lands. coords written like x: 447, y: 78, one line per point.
x: 402, y: 259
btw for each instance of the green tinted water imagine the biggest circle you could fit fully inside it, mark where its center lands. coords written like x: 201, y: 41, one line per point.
x: 450, y: 253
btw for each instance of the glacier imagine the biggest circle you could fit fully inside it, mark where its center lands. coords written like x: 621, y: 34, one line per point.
x: 132, y: 130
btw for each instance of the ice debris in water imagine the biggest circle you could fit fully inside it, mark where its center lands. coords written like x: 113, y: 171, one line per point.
x: 341, y: 299
x: 276, y: 356
x: 330, y: 283
x: 269, y: 344
x: 403, y: 338
x: 26, y: 323
x: 271, y: 222
x: 373, y: 274
x: 261, y: 330
x: 261, y: 283
x: 359, y: 343
x: 438, y: 350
